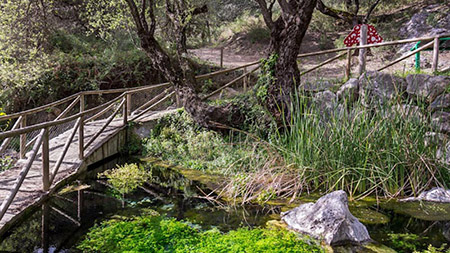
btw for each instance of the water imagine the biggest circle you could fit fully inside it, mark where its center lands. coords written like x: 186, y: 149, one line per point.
x: 60, y: 224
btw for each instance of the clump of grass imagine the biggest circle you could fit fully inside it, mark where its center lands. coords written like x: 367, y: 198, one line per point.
x: 360, y: 151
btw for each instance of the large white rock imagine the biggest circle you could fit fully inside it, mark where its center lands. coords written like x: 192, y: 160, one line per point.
x: 329, y: 219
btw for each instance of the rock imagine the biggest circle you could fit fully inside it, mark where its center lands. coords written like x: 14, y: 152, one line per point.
x: 425, y: 87
x: 316, y: 86
x: 443, y: 153
x: 434, y: 138
x: 441, y: 102
x: 404, y: 111
x: 376, y: 88
x: 437, y: 194
x: 328, y: 219
x: 349, y: 90
x: 441, y: 121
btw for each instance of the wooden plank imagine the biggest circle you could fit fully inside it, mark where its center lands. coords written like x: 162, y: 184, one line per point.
x: 81, y: 130
x: 435, y: 55
x: 407, y: 55
x: 205, y: 76
x: 45, y: 161
x: 323, y: 63
x: 363, y: 51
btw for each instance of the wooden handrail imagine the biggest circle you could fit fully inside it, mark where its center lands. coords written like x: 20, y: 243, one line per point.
x: 408, y: 55
x: 56, y: 122
x: 323, y: 63
x: 108, y: 121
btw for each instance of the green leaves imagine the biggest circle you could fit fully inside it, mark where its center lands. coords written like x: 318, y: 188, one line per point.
x: 126, y: 178
x: 159, y: 234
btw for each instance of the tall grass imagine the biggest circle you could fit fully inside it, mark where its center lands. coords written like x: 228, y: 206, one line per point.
x: 360, y: 150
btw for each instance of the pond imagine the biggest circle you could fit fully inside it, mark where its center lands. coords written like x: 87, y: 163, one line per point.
x: 60, y: 224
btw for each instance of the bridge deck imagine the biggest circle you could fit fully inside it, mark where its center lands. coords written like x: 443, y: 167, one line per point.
x: 31, y: 190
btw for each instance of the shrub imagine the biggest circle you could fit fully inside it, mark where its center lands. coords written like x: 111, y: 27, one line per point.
x: 126, y: 178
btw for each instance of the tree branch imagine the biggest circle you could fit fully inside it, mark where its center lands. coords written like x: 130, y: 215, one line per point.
x: 366, y: 18
x: 152, y: 17
x: 200, y: 10
x: 266, y: 12
x: 143, y: 19
x: 338, y: 14
x: 135, y: 14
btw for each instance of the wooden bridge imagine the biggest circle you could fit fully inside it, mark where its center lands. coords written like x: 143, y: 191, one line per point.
x: 82, y: 132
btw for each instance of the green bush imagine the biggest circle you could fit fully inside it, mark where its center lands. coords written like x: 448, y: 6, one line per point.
x: 159, y: 234
x: 126, y: 178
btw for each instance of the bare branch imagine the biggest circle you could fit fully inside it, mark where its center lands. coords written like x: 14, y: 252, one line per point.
x: 366, y: 18
x: 143, y: 18
x: 152, y: 17
x: 135, y: 14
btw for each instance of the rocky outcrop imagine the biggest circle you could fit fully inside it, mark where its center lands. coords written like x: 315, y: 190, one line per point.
x: 425, y: 87
x: 328, y: 219
x: 441, y: 102
x: 377, y: 88
x: 436, y: 194
x: 349, y: 91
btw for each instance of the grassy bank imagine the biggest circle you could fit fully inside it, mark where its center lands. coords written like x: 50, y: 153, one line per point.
x: 362, y: 151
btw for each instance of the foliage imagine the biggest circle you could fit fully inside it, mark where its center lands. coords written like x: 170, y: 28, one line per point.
x: 6, y: 163
x: 267, y: 77
x: 126, y: 178
x: 179, y: 140
x: 159, y: 234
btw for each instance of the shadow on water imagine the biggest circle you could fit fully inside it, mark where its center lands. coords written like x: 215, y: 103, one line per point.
x: 60, y: 224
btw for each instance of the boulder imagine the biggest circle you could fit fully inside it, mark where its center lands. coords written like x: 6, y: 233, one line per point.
x: 349, y: 90
x: 436, y: 194
x: 441, y: 121
x: 376, y: 88
x: 317, y: 86
x: 441, y: 102
x: 328, y: 219
x: 425, y: 87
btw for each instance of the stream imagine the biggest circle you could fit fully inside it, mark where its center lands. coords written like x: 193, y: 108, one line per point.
x: 62, y: 222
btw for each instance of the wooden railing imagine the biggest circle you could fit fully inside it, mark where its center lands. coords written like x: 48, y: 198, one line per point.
x: 119, y: 104
x: 432, y: 42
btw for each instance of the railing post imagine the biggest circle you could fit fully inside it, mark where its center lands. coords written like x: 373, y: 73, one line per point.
x: 221, y: 57
x: 349, y: 64
x: 435, y: 55
x: 128, y: 104
x: 23, y: 138
x: 45, y: 161
x: 125, y: 110
x: 245, y: 79
x: 362, y: 51
x: 81, y: 130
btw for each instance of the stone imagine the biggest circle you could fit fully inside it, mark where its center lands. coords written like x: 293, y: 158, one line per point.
x: 441, y: 102
x: 443, y: 153
x: 434, y: 138
x: 376, y: 88
x: 349, y: 90
x: 328, y: 219
x: 437, y: 194
x: 317, y: 86
x: 441, y: 121
x: 425, y: 87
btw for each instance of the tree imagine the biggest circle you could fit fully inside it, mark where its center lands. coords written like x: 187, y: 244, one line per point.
x: 176, y: 69
x: 287, y: 32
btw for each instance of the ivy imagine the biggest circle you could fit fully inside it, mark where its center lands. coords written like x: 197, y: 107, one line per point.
x: 267, y: 77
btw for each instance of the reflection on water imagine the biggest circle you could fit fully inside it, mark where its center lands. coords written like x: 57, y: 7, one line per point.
x: 59, y: 224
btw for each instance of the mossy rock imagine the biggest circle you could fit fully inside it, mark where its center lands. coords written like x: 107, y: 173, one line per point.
x: 369, y: 216
x: 420, y: 209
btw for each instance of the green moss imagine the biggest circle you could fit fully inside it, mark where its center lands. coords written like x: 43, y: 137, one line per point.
x: 421, y: 210
x: 159, y: 234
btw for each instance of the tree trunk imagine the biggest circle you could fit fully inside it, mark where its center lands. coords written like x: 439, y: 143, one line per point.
x: 184, y: 82
x: 287, y: 34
